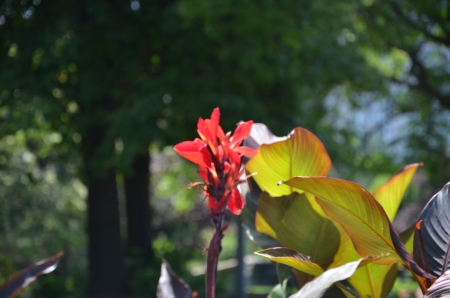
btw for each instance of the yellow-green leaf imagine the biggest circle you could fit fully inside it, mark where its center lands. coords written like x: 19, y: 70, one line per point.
x: 301, y: 154
x: 391, y: 193
x: 374, y: 280
x: 361, y: 216
x: 291, y: 258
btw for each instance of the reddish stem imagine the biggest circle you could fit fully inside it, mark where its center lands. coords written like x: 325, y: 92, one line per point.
x: 215, y: 246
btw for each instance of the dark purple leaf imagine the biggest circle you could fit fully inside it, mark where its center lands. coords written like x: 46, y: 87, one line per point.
x: 435, y: 233
x: 170, y: 285
x: 403, y: 253
x: 440, y: 287
x: 19, y: 280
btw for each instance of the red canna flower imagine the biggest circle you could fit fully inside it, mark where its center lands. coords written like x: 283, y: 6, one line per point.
x: 218, y: 156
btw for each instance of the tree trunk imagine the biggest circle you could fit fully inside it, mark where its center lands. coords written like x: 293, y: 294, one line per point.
x: 106, y: 258
x: 137, y: 195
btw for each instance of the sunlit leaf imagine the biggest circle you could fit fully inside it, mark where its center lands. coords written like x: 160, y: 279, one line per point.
x: 301, y: 154
x: 170, y: 285
x: 435, y: 234
x: 391, y: 193
x: 377, y: 280
x: 291, y: 258
x: 317, y: 287
x: 18, y: 281
x: 361, y: 216
x: 356, y: 210
x: 440, y: 287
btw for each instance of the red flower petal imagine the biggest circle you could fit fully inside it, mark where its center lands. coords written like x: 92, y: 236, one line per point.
x: 236, y: 203
x: 247, y: 151
x: 211, y: 203
x: 241, y: 132
x: 194, y: 151
x: 214, y: 124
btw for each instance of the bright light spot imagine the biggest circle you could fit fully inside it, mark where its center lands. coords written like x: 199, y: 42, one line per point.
x: 17, y: 93
x: 62, y: 78
x: 58, y: 93
x: 72, y: 107
x: 72, y: 67
x: 161, y: 123
x: 28, y: 13
x: 13, y: 50
x: 118, y: 143
x: 167, y: 98
x: 2, y: 20
x: 76, y: 137
x: 135, y: 5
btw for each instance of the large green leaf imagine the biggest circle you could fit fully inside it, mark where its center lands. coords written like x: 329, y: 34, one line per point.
x: 390, y: 194
x: 361, y: 216
x: 298, y: 222
x: 301, y: 154
x: 377, y: 280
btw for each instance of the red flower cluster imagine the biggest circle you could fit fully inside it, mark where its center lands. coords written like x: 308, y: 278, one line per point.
x: 218, y: 156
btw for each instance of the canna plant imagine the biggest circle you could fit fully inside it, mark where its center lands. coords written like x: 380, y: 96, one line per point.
x: 325, y: 229
x: 327, y: 222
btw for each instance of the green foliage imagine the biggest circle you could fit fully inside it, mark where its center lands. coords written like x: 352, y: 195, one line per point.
x: 361, y: 221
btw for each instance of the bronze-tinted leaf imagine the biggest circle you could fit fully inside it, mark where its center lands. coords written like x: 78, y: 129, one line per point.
x: 16, y: 282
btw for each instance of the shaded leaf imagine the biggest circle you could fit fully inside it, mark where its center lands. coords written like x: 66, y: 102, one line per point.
x: 361, y: 216
x: 302, y: 153
x: 435, y: 229
x: 250, y: 191
x: 317, y: 287
x: 298, y: 222
x: 171, y: 286
x: 390, y: 194
x: 18, y: 281
x: 440, y: 287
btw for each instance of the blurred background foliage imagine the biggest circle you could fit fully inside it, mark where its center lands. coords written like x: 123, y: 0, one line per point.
x: 94, y: 93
